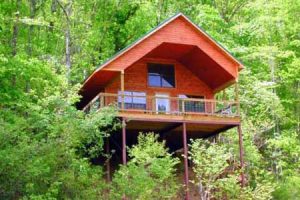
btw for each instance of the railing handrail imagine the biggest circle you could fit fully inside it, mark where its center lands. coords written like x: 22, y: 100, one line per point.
x: 171, y: 98
x: 225, y: 103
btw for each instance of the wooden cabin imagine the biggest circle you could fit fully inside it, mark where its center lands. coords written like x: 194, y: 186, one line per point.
x: 166, y: 82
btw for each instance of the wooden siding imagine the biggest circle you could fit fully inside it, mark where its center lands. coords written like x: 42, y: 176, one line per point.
x: 179, y: 31
x: 136, y: 79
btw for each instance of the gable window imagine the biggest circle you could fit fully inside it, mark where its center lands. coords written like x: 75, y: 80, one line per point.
x: 161, y: 75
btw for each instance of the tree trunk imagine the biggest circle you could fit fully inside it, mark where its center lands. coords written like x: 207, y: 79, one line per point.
x: 30, y: 32
x: 68, y: 39
x: 15, y: 34
x: 16, y: 29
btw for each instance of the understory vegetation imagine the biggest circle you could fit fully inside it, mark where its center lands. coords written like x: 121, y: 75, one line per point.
x: 47, y: 147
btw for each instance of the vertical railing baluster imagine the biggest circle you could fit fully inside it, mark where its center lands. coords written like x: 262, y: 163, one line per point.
x: 153, y: 104
x: 183, y: 108
x: 101, y: 100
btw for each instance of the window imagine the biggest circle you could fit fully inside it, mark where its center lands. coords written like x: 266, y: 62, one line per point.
x: 191, y: 105
x: 161, y: 75
x: 132, y: 100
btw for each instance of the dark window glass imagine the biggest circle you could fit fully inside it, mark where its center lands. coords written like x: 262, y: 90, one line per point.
x: 161, y: 75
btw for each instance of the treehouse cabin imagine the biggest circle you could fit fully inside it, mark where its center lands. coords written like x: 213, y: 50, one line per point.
x: 166, y: 82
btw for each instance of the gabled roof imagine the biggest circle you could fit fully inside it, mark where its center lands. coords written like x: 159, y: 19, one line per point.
x: 161, y: 25
x: 224, y: 61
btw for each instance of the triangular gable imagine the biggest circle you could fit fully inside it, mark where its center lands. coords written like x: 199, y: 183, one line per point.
x: 113, y: 64
x: 211, y: 62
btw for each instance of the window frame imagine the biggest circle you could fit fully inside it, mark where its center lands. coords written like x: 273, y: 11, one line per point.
x: 161, y: 75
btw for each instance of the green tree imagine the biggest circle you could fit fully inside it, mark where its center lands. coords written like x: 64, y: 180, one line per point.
x: 217, y: 175
x: 150, y: 174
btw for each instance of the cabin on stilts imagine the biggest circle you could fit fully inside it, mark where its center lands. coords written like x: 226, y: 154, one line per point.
x: 166, y: 82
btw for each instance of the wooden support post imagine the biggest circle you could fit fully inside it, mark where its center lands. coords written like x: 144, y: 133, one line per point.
x: 236, y: 88
x: 186, y: 172
x: 124, y: 141
x: 107, y: 149
x: 122, y: 89
x: 241, y: 155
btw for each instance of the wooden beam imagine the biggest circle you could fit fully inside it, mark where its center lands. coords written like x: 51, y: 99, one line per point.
x: 122, y: 88
x: 124, y: 141
x: 194, y: 119
x: 122, y: 81
x: 186, y: 172
x: 241, y: 155
x: 236, y: 89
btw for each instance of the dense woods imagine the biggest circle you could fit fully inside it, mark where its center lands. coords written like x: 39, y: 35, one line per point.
x: 48, y: 148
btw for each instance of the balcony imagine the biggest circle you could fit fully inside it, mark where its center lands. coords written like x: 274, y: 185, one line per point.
x: 138, y: 105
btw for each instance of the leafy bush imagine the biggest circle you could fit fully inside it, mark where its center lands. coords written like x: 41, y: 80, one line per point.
x: 216, y: 176
x: 289, y: 189
x: 149, y: 174
x: 44, y: 152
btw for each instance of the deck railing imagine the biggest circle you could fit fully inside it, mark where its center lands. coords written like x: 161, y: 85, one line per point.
x: 165, y: 105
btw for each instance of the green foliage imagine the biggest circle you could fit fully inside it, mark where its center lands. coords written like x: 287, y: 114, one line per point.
x: 210, y: 162
x: 41, y: 159
x: 288, y: 189
x: 44, y: 140
x: 150, y: 174
x: 216, y: 174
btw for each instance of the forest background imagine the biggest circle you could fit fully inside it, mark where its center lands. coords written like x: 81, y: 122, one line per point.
x: 48, y: 48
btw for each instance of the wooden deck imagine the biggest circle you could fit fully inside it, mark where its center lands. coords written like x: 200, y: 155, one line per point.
x: 204, y: 117
x: 189, y: 118
x: 167, y: 108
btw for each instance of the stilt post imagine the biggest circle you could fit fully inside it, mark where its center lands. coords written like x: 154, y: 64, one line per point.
x: 107, y: 149
x: 185, y: 151
x: 241, y: 155
x: 124, y: 141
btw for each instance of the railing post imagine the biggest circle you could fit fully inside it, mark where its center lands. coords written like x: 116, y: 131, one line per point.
x: 101, y: 100
x: 182, y: 105
x: 236, y: 89
x: 153, y: 109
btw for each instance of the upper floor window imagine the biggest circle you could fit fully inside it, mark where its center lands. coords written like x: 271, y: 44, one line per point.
x: 161, y: 75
